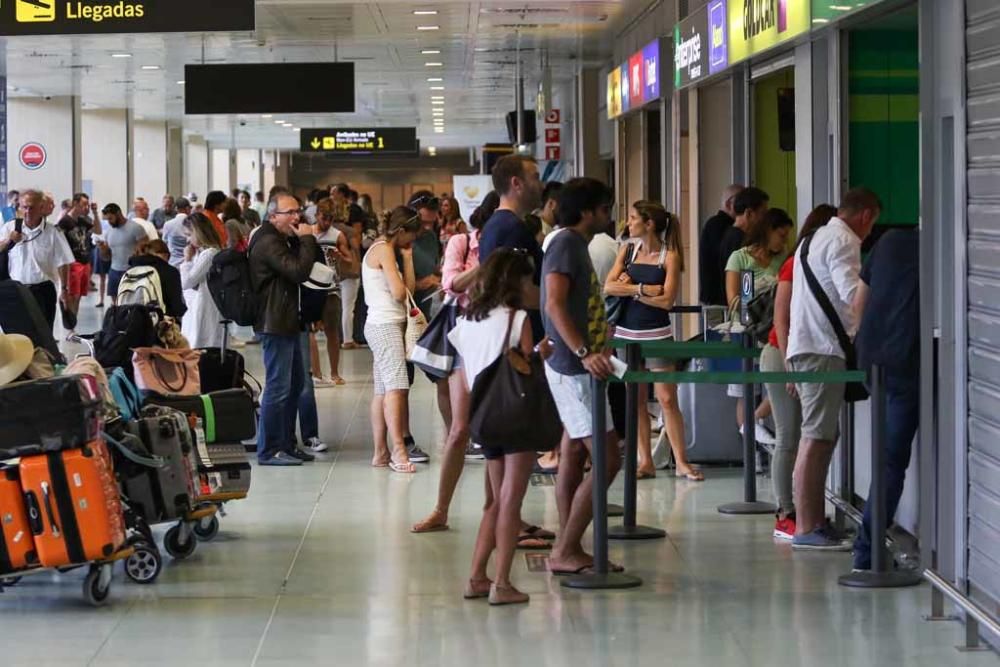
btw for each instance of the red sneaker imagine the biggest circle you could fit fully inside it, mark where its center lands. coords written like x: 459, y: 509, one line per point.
x: 784, y: 528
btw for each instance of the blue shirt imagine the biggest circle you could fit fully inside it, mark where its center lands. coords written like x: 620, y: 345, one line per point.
x: 505, y: 230
x: 889, y: 334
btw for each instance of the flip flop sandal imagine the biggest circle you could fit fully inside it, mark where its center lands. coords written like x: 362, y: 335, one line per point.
x: 436, y: 528
x: 695, y: 476
x: 583, y: 569
x: 537, y: 532
x: 406, y: 468
x: 528, y: 543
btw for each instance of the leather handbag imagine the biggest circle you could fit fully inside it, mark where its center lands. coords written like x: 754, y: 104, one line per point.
x: 416, y: 324
x: 167, y: 372
x: 614, y: 306
x: 854, y: 392
x: 511, y: 405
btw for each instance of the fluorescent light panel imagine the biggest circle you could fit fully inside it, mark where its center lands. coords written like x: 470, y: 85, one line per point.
x: 425, y: 12
x: 430, y: 52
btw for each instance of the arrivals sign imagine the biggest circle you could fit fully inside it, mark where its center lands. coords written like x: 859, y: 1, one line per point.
x: 700, y: 44
x: 367, y: 141
x: 81, y: 17
x: 636, y: 82
x: 758, y: 25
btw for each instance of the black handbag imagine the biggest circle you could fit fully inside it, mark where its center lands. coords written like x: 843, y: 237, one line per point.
x: 511, y: 405
x: 614, y: 306
x: 854, y: 392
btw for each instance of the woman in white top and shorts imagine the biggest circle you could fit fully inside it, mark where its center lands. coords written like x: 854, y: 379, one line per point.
x: 202, y: 324
x: 386, y: 292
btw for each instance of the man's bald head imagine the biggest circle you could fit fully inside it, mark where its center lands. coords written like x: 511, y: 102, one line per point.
x: 728, y: 195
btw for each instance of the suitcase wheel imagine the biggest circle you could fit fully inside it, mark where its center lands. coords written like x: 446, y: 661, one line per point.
x: 207, y: 529
x: 175, y: 547
x: 145, y: 563
x: 97, y: 585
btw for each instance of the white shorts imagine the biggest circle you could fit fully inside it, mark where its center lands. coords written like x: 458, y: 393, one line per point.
x: 573, y: 396
x: 388, y: 356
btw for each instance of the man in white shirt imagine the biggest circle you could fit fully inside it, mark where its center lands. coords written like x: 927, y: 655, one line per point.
x: 141, y: 209
x: 39, y: 253
x: 834, y: 256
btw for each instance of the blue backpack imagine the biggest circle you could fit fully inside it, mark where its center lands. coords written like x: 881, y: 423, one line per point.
x: 126, y: 394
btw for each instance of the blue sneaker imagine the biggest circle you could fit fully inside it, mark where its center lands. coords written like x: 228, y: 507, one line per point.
x: 280, y: 459
x: 820, y: 540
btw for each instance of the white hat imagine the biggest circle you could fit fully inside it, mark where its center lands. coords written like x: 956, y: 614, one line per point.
x: 16, y: 353
x: 320, y: 278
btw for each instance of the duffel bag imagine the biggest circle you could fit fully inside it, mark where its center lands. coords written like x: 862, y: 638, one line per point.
x: 227, y: 416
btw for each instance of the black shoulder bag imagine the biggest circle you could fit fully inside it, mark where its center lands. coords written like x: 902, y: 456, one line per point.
x: 854, y: 392
x: 614, y: 306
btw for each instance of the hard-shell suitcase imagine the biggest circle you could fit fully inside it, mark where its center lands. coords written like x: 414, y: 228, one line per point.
x: 165, y: 493
x: 17, y: 545
x: 74, y: 495
x: 228, y: 416
x: 20, y: 314
x: 49, y: 414
x: 220, y: 369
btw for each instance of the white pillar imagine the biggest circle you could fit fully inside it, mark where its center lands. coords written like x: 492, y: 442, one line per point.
x: 49, y: 122
x: 196, y: 166
x: 149, y: 159
x: 104, y: 134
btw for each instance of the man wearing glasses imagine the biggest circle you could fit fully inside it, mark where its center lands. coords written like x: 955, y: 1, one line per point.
x: 281, y: 254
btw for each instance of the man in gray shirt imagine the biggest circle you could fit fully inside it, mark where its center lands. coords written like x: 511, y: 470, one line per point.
x: 122, y: 236
x: 176, y: 234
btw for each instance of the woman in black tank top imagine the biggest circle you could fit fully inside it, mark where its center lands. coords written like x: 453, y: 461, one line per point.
x: 647, y: 273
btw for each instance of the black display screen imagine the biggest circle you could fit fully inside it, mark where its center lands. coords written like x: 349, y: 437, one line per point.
x: 269, y: 88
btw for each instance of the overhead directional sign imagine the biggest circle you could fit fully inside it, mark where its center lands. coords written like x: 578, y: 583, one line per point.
x: 80, y: 17
x: 373, y: 140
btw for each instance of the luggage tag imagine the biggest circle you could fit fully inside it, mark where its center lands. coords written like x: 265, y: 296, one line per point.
x: 201, y: 443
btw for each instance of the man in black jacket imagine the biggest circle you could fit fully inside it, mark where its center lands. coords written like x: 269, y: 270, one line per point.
x: 282, y: 253
x: 712, y: 287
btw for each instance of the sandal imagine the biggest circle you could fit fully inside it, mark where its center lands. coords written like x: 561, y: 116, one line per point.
x: 475, y: 590
x: 645, y: 474
x: 406, y: 467
x: 536, y: 532
x: 381, y: 462
x: 506, y: 595
x: 338, y: 381
x: 691, y: 475
x: 428, y: 526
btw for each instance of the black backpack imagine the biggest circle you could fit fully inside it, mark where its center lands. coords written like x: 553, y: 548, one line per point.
x: 231, y: 288
x: 125, y: 328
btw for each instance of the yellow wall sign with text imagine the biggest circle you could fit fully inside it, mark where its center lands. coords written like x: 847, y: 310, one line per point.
x: 758, y: 25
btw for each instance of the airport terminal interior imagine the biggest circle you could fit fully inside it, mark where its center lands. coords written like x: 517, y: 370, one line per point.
x: 149, y: 513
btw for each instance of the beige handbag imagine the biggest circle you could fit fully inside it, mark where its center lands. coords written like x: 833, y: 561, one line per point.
x: 416, y: 324
x: 167, y: 372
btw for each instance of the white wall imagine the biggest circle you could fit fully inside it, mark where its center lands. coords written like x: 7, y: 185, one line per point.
x: 50, y: 123
x: 105, y: 157
x: 149, y: 150
x: 248, y: 169
x: 220, y: 169
x: 196, y: 166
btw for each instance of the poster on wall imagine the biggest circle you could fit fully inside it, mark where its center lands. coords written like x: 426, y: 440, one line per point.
x: 469, y: 191
x: 758, y: 25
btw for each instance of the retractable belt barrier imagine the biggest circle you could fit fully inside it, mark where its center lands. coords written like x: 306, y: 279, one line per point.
x: 602, y: 578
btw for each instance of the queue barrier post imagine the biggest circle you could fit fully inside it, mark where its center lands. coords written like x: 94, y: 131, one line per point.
x: 881, y: 575
x: 750, y: 504
x: 601, y: 578
x: 629, y: 530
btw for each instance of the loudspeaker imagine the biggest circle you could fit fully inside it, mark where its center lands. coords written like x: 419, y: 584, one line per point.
x: 786, y: 119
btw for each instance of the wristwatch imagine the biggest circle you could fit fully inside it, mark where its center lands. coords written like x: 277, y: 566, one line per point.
x: 582, y: 352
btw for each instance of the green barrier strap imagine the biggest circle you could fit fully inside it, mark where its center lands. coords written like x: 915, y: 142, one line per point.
x: 689, y: 350
x: 209, y: 421
x: 735, y: 377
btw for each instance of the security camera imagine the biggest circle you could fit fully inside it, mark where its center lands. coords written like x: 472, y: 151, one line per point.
x: 243, y: 123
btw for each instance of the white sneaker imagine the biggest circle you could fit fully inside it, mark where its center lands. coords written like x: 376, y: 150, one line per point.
x: 321, y: 383
x: 316, y: 445
x: 764, y: 435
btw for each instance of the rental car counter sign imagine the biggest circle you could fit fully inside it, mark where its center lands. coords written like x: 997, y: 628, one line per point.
x: 77, y: 17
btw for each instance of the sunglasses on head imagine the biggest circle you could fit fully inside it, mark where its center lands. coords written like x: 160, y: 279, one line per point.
x: 425, y: 201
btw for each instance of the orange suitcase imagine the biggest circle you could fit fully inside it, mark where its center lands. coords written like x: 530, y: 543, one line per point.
x: 76, y: 497
x: 17, y: 545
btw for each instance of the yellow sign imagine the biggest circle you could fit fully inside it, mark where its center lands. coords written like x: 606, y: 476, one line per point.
x: 329, y: 143
x: 35, y: 11
x: 615, y: 92
x: 758, y: 25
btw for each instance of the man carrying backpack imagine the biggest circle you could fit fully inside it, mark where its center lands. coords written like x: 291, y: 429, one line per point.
x: 281, y: 257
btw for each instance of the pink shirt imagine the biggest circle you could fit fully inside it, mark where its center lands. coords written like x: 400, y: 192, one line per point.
x: 460, y: 255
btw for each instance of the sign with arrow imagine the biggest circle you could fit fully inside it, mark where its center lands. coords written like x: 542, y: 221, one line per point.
x: 361, y: 141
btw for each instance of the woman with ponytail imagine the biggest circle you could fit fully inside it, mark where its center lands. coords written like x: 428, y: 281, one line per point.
x: 386, y: 295
x: 647, y: 275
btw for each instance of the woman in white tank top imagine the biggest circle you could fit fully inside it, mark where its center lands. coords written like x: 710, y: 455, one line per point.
x: 386, y: 291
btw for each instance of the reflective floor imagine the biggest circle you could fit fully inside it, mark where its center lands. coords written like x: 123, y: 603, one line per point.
x: 318, y: 567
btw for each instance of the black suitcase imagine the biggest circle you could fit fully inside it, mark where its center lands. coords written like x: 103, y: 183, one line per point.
x: 221, y: 369
x: 49, y: 415
x: 165, y: 493
x: 20, y: 314
x: 233, y: 415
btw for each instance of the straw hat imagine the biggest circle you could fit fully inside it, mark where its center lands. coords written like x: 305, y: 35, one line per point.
x: 16, y: 352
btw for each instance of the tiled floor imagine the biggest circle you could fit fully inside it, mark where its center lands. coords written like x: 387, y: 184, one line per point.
x: 318, y: 567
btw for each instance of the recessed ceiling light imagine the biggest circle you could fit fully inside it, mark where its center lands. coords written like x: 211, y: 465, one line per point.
x: 279, y: 122
x: 437, y: 87
x: 296, y: 129
x: 440, y: 102
x: 428, y: 27
x: 433, y: 64
x: 425, y: 12
x: 121, y: 55
x: 480, y: 49
x: 437, y: 112
x: 181, y: 82
x: 150, y: 67
x: 437, y: 97
x: 434, y: 79
x: 266, y: 115
x: 439, y: 130
x: 432, y: 150
x: 430, y: 52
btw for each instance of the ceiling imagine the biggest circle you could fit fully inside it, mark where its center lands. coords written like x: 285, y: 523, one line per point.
x: 477, y: 43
